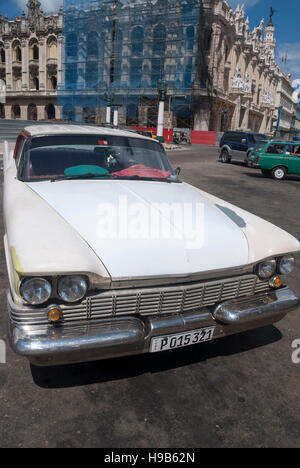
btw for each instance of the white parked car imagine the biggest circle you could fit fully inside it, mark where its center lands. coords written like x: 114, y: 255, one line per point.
x: 110, y: 254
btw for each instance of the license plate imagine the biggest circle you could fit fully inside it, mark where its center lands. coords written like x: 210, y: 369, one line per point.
x: 164, y: 343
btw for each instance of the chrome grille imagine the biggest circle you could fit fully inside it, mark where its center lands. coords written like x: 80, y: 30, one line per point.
x: 153, y: 301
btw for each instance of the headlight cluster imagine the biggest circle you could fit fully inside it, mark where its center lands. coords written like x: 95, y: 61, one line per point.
x: 283, y: 265
x: 36, y: 291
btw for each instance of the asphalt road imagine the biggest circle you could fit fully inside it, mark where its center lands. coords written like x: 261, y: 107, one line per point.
x: 240, y: 391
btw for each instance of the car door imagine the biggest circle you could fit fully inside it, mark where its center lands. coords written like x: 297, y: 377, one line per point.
x: 293, y: 158
x: 241, y: 146
x: 274, y: 155
x: 233, y: 143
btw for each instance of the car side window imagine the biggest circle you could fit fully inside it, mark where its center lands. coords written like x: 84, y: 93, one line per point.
x: 276, y: 149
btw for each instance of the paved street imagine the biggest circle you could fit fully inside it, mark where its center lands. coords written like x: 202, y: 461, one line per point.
x: 238, y: 391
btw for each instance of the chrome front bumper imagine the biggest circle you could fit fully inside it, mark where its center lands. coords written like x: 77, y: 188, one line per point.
x: 48, y: 345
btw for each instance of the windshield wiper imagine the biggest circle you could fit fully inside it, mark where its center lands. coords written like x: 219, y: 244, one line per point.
x: 88, y: 175
x: 136, y: 177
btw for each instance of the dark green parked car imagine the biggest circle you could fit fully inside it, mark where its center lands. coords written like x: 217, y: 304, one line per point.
x: 277, y: 158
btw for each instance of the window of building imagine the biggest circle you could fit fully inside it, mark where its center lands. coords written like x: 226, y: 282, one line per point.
x: 50, y: 112
x: 2, y: 56
x: 17, y: 53
x: 52, y: 48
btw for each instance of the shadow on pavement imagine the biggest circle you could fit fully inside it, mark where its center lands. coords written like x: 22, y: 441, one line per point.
x: 102, y: 371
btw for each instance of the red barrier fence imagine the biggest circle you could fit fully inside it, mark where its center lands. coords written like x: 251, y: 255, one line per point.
x: 198, y: 137
x: 203, y: 138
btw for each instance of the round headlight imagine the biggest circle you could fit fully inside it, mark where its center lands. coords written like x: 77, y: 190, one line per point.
x: 35, y: 291
x: 72, y: 288
x: 266, y: 269
x: 286, y: 264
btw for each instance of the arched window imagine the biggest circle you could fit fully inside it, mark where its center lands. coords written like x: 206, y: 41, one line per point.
x: 50, y: 112
x: 17, y: 52
x: 2, y: 111
x: 2, y: 55
x: 53, y: 82
x: 34, y: 50
x: 159, y: 40
x: 52, y: 48
x: 137, y: 41
x: 16, y: 111
x: 36, y: 83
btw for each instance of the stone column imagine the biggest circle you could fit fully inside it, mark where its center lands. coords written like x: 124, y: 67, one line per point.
x: 42, y: 64
x: 237, y: 114
x: 25, y: 59
x: 8, y: 51
x: 24, y: 113
x: 8, y: 111
x: 58, y: 112
x: 59, y: 59
x: 41, y: 112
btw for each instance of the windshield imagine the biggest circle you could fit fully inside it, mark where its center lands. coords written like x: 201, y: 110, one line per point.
x: 260, y: 145
x: 92, y: 156
x: 257, y: 137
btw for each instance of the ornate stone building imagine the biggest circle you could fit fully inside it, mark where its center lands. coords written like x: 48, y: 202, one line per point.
x: 30, y: 64
x: 219, y: 74
x: 242, y: 80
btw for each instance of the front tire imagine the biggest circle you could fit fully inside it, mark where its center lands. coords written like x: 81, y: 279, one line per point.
x: 279, y: 173
x: 225, y: 157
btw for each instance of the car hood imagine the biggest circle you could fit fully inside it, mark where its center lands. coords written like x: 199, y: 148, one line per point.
x: 144, y: 229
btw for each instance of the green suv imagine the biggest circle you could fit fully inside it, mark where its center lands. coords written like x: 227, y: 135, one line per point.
x: 276, y: 158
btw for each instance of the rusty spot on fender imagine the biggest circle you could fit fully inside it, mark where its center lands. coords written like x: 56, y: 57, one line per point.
x: 17, y: 267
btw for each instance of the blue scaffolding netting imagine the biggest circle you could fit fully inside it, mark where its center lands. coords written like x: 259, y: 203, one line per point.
x: 118, y: 52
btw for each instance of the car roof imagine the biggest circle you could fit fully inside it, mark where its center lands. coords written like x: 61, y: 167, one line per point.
x: 65, y: 129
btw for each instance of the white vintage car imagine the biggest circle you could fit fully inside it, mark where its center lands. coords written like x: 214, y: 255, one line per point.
x: 110, y: 254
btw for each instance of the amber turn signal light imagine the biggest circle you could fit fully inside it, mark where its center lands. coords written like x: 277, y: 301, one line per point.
x: 54, y: 315
x: 276, y: 282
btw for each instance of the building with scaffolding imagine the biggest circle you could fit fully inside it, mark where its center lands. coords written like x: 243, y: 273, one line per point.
x: 217, y: 74
x: 118, y: 52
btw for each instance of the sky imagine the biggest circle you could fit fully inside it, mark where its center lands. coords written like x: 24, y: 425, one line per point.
x: 286, y: 20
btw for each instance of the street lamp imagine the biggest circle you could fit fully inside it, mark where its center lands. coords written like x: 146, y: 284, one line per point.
x: 162, y: 94
x: 109, y: 98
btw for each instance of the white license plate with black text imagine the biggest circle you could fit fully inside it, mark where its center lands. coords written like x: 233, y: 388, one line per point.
x: 164, y: 343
